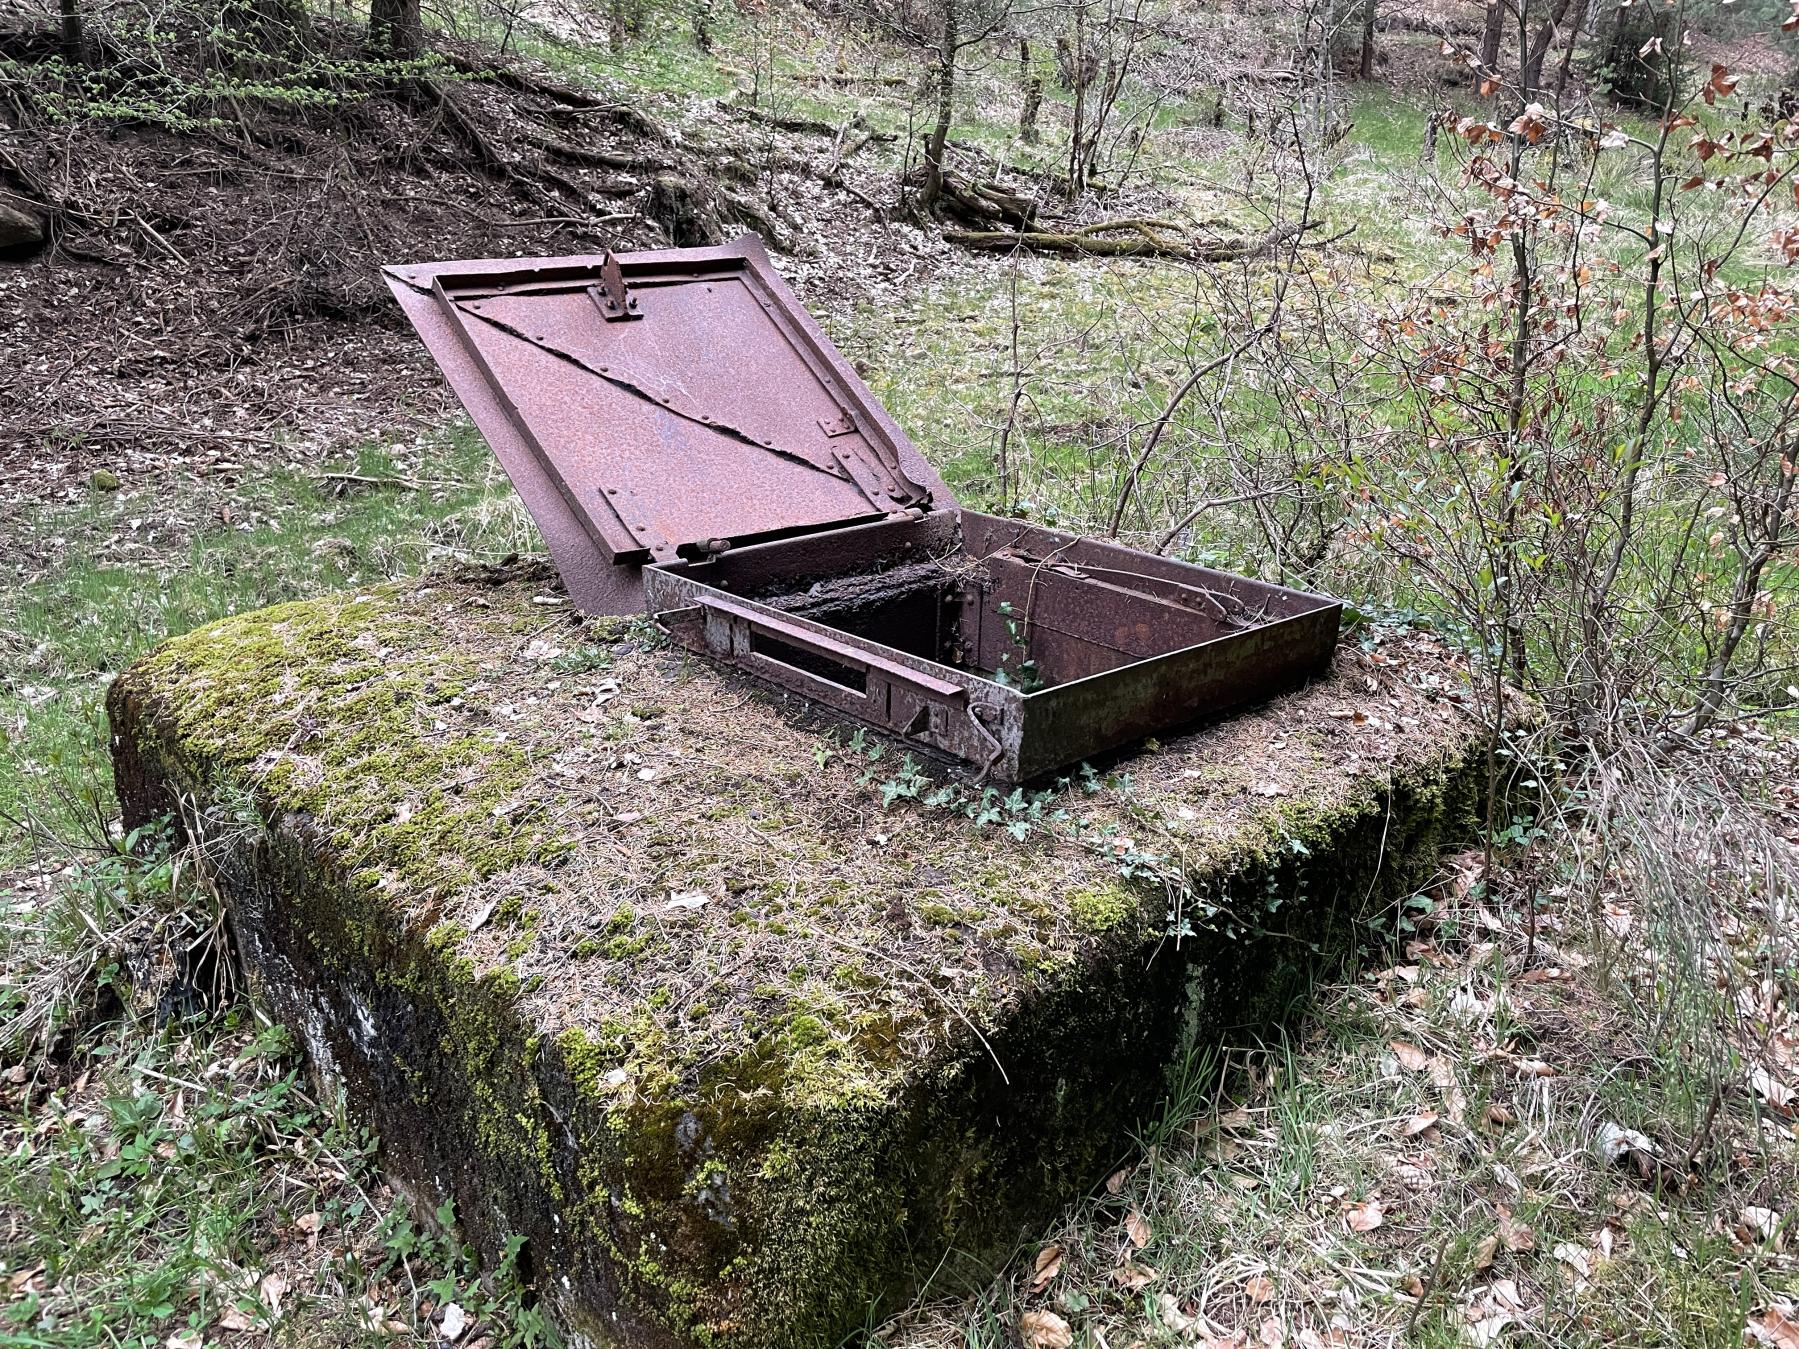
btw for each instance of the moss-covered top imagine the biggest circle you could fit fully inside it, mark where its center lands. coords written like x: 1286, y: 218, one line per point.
x: 678, y: 867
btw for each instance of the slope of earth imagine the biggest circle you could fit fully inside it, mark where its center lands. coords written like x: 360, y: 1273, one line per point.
x: 210, y: 297
x: 741, y: 1024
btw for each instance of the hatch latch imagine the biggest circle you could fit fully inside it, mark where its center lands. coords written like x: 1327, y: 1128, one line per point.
x: 610, y: 293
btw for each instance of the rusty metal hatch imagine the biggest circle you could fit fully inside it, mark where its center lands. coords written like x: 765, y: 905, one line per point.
x: 655, y: 405
x: 689, y: 442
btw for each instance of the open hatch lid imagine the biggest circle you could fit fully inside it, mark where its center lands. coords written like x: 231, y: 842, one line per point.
x: 654, y: 405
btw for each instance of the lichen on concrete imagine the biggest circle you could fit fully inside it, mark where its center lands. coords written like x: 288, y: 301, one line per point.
x: 628, y: 957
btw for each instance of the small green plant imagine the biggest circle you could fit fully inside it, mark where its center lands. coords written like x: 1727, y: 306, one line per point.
x: 1024, y: 676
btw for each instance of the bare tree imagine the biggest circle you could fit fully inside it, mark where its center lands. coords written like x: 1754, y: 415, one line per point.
x: 958, y: 25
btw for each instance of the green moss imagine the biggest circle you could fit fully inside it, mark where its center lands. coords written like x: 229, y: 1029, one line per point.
x: 742, y: 1150
x: 1102, y: 908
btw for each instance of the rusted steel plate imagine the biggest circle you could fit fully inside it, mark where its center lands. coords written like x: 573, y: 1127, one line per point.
x: 651, y: 406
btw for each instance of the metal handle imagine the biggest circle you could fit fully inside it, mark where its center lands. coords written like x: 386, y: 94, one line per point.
x: 856, y: 658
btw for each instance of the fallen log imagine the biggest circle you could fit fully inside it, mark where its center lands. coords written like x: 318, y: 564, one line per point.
x: 1141, y: 239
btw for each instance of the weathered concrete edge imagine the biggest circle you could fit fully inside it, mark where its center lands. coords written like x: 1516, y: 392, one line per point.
x: 476, y: 1106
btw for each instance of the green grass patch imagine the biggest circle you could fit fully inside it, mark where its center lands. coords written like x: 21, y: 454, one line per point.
x: 95, y: 586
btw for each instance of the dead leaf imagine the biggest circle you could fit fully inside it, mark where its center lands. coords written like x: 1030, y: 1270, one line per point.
x: 1259, y: 1288
x: 1500, y: 1116
x: 1517, y: 1236
x: 1575, y: 1257
x: 1756, y: 1225
x: 1486, y: 1251
x: 271, y: 1290
x: 1776, y: 1326
x: 1136, y: 1227
x: 1365, y: 1217
x: 1044, y: 1330
x: 1049, y: 1264
x: 1270, y: 1335
x: 1133, y: 1277
x: 233, y: 1318
x: 1115, y: 1181
x: 1411, y: 1058
x: 1168, y: 1307
x: 1418, y: 1123
x: 1775, y: 1092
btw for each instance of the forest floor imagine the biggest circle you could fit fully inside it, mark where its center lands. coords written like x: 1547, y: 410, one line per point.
x: 215, y: 407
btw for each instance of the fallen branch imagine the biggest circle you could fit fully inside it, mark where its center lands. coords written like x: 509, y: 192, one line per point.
x: 841, y: 80
x: 982, y: 205
x: 1146, y: 242
x: 805, y: 125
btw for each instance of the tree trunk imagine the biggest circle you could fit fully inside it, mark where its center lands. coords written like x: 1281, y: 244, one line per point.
x: 1531, y: 69
x: 74, y: 41
x: 396, y: 29
x: 946, y: 109
x: 1567, y: 64
x: 1368, y: 18
x: 1489, y: 39
x: 1033, y: 94
x: 1075, y: 184
x: 273, y: 26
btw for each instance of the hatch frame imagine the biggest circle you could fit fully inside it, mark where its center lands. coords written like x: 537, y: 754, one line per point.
x: 720, y: 607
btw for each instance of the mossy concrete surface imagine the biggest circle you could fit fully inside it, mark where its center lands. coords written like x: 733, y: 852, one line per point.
x: 735, y: 1018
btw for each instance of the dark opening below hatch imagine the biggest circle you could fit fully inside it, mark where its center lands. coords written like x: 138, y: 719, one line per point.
x: 1021, y: 621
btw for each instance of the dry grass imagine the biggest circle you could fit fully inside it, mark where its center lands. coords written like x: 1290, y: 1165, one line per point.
x: 1425, y: 1162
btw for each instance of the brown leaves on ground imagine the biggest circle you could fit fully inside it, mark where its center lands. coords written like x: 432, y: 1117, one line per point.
x: 1364, y: 1217
x: 1136, y: 1230
x: 1047, y: 1266
x: 1044, y: 1330
x: 1774, y: 1326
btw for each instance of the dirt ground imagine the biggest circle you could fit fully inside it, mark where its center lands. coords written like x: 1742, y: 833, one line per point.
x: 212, y: 299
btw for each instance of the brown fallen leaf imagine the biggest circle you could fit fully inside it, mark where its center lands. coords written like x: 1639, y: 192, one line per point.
x: 1259, y: 1287
x: 1411, y: 1058
x: 1048, y: 1265
x: 1517, y: 1236
x: 1136, y: 1228
x: 1365, y: 1217
x: 1044, y: 1330
x: 235, y: 1318
x: 1133, y: 1277
x: 1115, y: 1181
x: 1775, y: 1326
x: 1485, y: 1252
